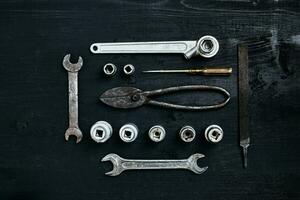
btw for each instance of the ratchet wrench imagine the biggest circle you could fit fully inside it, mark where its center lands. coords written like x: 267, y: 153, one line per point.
x: 207, y: 47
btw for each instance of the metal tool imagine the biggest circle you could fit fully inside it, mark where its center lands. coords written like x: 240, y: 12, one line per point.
x: 109, y: 69
x: 129, y: 97
x: 157, y: 133
x: 207, y: 47
x: 187, y: 134
x: 243, y: 86
x: 121, y: 164
x: 222, y: 71
x: 213, y: 133
x: 73, y: 69
x: 101, y: 131
x: 128, y: 132
x: 128, y: 69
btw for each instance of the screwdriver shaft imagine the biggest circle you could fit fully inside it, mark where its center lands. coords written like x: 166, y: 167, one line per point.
x: 200, y: 71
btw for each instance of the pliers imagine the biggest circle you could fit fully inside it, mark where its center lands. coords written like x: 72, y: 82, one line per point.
x: 130, y: 97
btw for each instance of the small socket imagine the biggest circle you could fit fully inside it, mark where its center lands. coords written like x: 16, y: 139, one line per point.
x: 157, y: 133
x: 213, y: 133
x: 101, y: 131
x: 187, y: 134
x: 109, y: 69
x: 128, y: 69
x: 128, y: 132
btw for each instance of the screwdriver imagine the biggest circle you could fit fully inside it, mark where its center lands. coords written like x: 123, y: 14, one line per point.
x: 224, y: 71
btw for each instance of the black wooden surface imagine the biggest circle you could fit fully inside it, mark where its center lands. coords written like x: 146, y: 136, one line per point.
x: 37, y: 163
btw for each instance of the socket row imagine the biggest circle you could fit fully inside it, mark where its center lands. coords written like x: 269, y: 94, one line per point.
x: 101, y: 131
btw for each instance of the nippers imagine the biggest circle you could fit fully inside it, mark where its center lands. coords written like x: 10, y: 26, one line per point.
x: 130, y: 97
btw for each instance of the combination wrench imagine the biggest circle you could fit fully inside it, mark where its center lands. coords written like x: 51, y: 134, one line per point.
x: 73, y: 69
x: 121, y: 164
x: 207, y: 47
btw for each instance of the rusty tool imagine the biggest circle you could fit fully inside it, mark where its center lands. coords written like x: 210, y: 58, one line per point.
x: 243, y: 90
x: 129, y: 97
x: 73, y: 69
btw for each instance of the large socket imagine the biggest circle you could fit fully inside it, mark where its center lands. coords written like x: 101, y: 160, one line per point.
x: 187, y: 134
x: 101, y: 131
x: 128, y: 132
x: 157, y: 133
x: 213, y: 133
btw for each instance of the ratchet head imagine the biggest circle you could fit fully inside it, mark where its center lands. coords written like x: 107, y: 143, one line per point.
x: 73, y: 131
x: 193, y: 166
x: 207, y: 47
x: 123, y: 97
x: 117, y: 165
x: 72, y: 67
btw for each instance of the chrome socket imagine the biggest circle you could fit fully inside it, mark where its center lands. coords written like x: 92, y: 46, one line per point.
x: 157, y: 133
x: 128, y: 132
x: 101, y: 131
x: 213, y: 133
x: 187, y: 134
x: 208, y: 46
x: 109, y: 69
x: 129, y: 69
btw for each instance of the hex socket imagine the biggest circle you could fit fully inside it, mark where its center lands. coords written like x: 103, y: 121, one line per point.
x: 187, y: 134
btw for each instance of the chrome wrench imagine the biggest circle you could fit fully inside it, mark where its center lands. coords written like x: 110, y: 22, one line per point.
x: 121, y: 164
x: 207, y: 46
x: 73, y: 69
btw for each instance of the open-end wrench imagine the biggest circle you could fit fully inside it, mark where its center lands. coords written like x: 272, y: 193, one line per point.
x: 121, y: 164
x: 207, y: 46
x: 73, y: 69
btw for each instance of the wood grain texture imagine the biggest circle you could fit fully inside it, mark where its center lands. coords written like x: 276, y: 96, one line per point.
x: 36, y: 162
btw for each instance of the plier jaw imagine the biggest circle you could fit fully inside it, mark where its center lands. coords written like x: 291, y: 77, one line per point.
x: 123, y: 97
